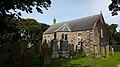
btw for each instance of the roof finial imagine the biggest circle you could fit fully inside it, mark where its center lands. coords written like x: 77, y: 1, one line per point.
x: 100, y: 12
x: 54, y: 20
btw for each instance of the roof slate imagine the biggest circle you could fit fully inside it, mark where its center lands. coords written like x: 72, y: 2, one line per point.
x: 74, y: 25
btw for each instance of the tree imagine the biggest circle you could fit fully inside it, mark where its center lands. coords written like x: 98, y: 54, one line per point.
x: 30, y: 30
x: 114, y: 36
x: 114, y: 7
x: 23, y: 5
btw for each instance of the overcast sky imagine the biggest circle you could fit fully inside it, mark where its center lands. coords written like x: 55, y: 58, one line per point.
x: 64, y: 10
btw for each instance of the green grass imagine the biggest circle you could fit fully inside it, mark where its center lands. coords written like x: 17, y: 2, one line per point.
x: 112, y: 61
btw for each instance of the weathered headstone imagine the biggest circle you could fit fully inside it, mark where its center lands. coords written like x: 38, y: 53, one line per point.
x: 81, y: 46
x: 97, y: 56
x: 27, y: 50
x: 55, y: 49
x: 54, y: 45
x: 107, y: 51
x: 71, y: 51
x: 45, y: 53
x: 27, y: 57
x: 16, y: 52
x: 112, y: 51
x: 76, y: 49
x: 64, y: 47
x: 1, y: 53
x: 47, y: 56
x: 103, y: 49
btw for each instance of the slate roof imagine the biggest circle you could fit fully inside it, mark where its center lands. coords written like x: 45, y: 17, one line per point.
x: 74, y: 25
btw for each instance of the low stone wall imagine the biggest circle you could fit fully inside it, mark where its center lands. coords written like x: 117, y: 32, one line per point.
x: 116, y: 48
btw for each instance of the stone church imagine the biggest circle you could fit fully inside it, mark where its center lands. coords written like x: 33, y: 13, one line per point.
x: 91, y: 31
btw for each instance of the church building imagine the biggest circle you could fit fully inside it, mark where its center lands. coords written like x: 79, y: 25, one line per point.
x: 91, y: 31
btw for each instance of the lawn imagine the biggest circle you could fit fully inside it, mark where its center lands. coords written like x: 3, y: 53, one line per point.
x: 112, y: 61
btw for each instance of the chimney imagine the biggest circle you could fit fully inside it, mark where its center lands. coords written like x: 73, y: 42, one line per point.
x: 54, y: 20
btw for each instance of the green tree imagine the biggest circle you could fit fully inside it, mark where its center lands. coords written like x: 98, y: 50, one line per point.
x: 114, y: 36
x: 23, y: 5
x: 31, y: 30
x: 114, y: 7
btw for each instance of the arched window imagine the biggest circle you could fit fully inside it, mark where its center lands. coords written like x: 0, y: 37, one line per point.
x: 79, y: 37
x: 101, y: 33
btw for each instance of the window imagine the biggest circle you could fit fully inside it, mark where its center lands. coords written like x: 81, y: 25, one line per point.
x: 79, y: 37
x: 101, y: 33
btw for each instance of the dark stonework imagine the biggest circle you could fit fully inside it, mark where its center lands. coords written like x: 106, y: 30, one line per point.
x: 63, y: 45
x: 64, y: 48
x: 45, y: 53
x: 71, y: 51
x: 55, y: 48
x: 47, y: 56
x: 16, y: 52
x: 1, y: 53
x: 27, y: 57
x: 54, y: 45
x: 27, y: 53
x: 76, y: 49
x: 71, y: 47
x: 81, y: 47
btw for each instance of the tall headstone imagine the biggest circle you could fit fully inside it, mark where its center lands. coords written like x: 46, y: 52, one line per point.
x: 107, y: 51
x: 76, y: 49
x: 103, y: 49
x: 81, y: 46
x: 27, y: 51
x: 1, y: 53
x: 71, y: 51
x: 54, y: 45
x: 64, y: 46
x: 96, y: 55
x: 46, y: 53
x: 112, y: 51
x: 27, y: 57
x: 16, y: 52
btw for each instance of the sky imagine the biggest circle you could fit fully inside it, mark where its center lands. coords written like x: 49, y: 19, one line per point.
x: 64, y: 10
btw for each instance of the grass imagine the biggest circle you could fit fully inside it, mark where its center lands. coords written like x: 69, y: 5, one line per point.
x: 112, y: 61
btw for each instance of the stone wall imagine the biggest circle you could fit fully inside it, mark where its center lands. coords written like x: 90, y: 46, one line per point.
x: 74, y: 37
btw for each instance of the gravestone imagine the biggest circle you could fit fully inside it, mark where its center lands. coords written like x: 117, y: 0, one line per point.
x: 107, y: 51
x: 54, y: 45
x: 47, y: 56
x: 103, y: 49
x: 27, y: 57
x: 97, y: 56
x: 46, y: 53
x: 16, y: 52
x: 27, y: 52
x: 81, y: 46
x: 76, y: 49
x: 64, y: 47
x: 1, y: 53
x: 112, y: 51
x: 71, y: 50
x: 71, y: 47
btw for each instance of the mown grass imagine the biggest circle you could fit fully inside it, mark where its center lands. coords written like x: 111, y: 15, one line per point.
x: 80, y: 61
x: 112, y: 61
